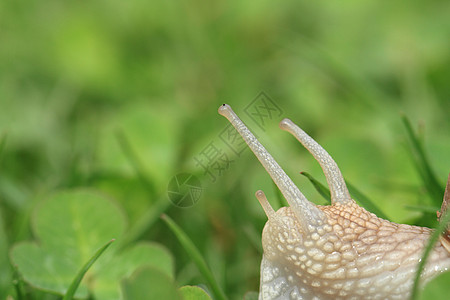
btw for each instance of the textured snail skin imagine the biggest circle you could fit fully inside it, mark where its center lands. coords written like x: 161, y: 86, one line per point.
x: 340, y: 251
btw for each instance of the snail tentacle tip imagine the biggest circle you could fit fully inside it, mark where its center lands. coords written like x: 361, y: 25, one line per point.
x: 259, y: 194
x: 224, y: 110
x: 270, y: 212
x: 305, y: 211
x: 285, y: 124
x: 336, y: 182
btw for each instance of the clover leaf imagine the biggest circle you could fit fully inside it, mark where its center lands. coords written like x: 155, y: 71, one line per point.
x: 189, y: 292
x: 149, y: 283
x: 137, y: 285
x: 69, y: 228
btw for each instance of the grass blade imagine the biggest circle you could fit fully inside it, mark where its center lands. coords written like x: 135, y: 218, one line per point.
x: 196, y: 257
x: 280, y: 201
x: 422, y: 164
x: 322, y: 189
x: 366, y: 202
x: 76, y: 281
x: 153, y: 213
x: 423, y: 208
x: 18, y: 287
x: 2, y: 147
x: 356, y: 194
x: 134, y: 161
x: 431, y: 242
x: 144, y: 222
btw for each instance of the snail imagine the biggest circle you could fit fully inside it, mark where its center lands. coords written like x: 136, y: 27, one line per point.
x: 339, y: 251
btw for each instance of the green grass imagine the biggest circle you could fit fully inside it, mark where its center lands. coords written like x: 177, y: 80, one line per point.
x: 196, y: 257
x: 77, y: 280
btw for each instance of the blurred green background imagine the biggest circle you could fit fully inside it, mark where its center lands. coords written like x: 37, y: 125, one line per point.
x: 120, y: 96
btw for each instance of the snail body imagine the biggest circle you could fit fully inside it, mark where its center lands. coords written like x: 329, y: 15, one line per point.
x: 339, y: 251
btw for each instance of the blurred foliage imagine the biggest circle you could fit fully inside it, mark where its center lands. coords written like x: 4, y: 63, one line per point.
x: 119, y: 96
x: 438, y: 288
x: 69, y: 228
x: 151, y: 284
